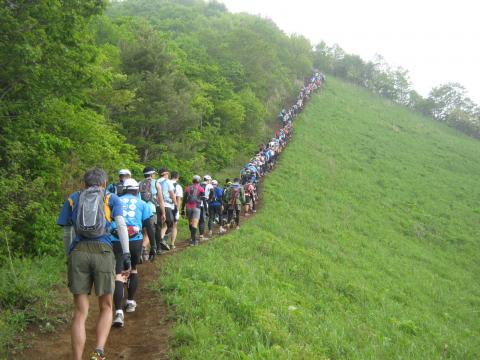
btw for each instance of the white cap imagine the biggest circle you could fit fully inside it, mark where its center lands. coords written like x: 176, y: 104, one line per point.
x: 130, y: 184
x: 207, y: 177
x: 214, y: 182
x: 125, y: 172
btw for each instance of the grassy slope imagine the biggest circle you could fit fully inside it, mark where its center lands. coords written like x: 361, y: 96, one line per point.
x: 366, y: 246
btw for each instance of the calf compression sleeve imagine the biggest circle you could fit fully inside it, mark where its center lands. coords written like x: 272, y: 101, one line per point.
x: 118, y: 294
x: 132, y: 285
x: 122, y: 233
x: 148, y: 225
x: 68, y: 236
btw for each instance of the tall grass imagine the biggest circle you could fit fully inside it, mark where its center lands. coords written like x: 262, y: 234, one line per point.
x: 366, y: 247
x: 30, y: 293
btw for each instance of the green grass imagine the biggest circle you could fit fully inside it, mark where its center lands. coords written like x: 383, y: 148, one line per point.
x: 366, y: 247
x: 31, y: 292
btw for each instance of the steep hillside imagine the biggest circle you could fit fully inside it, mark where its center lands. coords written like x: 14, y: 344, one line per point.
x: 366, y: 246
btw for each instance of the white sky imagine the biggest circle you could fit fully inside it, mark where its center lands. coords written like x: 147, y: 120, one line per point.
x: 437, y: 41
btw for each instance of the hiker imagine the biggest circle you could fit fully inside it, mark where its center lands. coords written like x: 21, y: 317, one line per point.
x: 178, y: 190
x: 170, y: 201
x: 194, y: 197
x: 234, y: 198
x: 151, y: 193
x: 117, y: 188
x: 86, y: 218
x: 249, y: 189
x: 137, y: 214
x: 215, y: 208
x: 207, y: 186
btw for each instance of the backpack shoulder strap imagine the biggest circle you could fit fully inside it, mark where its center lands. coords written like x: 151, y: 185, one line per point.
x: 108, y: 213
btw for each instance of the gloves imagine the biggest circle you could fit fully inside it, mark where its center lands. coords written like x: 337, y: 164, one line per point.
x: 126, y: 262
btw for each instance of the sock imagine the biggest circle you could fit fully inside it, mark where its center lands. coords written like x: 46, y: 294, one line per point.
x: 132, y: 285
x: 118, y: 295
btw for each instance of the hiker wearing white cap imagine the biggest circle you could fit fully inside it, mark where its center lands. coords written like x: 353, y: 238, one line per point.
x: 117, y: 188
x: 137, y: 214
x: 215, y: 207
x: 207, y: 186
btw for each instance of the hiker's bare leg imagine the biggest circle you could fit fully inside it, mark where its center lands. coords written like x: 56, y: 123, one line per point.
x: 174, y: 233
x: 80, y: 313
x: 105, y: 317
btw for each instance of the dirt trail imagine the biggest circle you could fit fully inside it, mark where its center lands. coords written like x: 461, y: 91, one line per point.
x: 146, y: 332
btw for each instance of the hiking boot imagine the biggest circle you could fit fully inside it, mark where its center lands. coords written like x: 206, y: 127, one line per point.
x: 210, y: 233
x: 238, y: 227
x: 164, y: 245
x: 118, y: 321
x: 201, y: 238
x: 192, y: 243
x: 144, y: 254
x: 130, y: 307
x: 159, y: 252
x: 222, y: 230
x: 151, y: 258
x: 97, y: 356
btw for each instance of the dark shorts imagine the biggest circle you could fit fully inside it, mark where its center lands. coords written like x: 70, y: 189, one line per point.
x: 169, y: 217
x: 91, y: 263
x: 135, y: 254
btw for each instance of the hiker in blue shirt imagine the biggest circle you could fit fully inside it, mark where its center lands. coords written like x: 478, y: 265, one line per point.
x: 86, y: 218
x: 215, y: 207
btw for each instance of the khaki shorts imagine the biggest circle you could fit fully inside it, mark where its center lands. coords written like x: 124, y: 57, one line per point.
x: 91, y: 262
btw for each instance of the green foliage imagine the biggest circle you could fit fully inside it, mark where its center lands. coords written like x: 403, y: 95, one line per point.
x: 377, y: 260
x: 28, y: 295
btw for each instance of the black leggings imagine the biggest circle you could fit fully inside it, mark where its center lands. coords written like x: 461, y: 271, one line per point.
x: 201, y: 221
x: 213, y: 210
x: 230, y: 212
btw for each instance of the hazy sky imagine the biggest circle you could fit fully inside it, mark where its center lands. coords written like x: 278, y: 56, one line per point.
x: 437, y: 41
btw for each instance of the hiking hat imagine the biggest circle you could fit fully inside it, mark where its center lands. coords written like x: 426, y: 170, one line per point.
x: 130, y: 184
x: 196, y: 178
x: 214, y: 182
x: 162, y: 171
x: 149, y: 170
x: 207, y: 177
x: 125, y: 172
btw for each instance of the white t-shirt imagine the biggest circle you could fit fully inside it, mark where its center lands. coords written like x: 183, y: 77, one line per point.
x: 178, y: 193
x: 178, y: 189
x: 208, y: 188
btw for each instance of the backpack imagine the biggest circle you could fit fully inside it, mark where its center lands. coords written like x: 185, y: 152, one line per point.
x: 249, y: 189
x: 193, y: 195
x: 145, y: 189
x: 214, y: 195
x: 234, y: 196
x: 91, y: 222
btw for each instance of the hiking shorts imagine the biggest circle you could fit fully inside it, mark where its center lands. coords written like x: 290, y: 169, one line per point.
x: 193, y: 214
x: 91, y: 263
x: 135, y: 254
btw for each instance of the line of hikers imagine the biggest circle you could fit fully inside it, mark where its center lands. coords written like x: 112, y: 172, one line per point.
x: 110, y: 229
